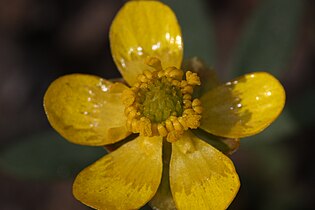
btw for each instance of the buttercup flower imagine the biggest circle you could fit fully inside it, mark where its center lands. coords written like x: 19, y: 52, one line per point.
x: 159, y: 105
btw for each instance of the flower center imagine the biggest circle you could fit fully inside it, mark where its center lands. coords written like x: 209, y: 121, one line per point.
x: 160, y: 103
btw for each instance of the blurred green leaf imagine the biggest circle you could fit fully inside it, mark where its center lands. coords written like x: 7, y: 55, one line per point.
x: 269, y: 38
x: 273, y: 164
x: 47, y: 156
x: 302, y: 107
x: 197, y: 28
x: 272, y: 174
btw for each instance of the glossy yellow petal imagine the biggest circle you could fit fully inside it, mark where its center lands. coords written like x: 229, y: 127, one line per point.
x: 242, y: 107
x: 86, y: 109
x: 201, y: 177
x: 124, y: 179
x: 141, y: 29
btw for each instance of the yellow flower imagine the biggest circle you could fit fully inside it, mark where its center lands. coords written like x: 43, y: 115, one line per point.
x: 147, y: 48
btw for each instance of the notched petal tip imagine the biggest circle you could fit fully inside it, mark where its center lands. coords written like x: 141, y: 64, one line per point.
x: 244, y: 106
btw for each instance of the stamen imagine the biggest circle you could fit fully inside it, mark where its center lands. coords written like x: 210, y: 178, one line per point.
x: 154, y: 62
x: 128, y: 97
x: 196, y: 105
x: 145, y: 126
x: 169, y: 125
x: 177, y: 126
x: 187, y: 97
x: 182, y: 121
x: 162, y: 130
x: 192, y: 78
x: 148, y: 74
x: 187, y: 103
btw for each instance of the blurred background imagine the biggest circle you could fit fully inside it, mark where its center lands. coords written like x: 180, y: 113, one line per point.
x: 42, y: 40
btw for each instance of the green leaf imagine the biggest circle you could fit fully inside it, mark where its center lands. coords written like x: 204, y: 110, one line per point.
x: 272, y: 175
x: 269, y: 38
x: 302, y: 107
x: 47, y: 156
x: 197, y: 28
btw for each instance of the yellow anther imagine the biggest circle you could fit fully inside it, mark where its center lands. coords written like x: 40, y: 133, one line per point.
x: 145, y: 126
x: 162, y: 130
x: 176, y: 74
x: 196, y: 105
x: 198, y: 109
x: 183, y: 83
x: 182, y: 121
x: 161, y: 74
x: 128, y: 109
x: 144, y: 85
x: 187, y: 89
x: 135, y: 126
x: 154, y: 62
x: 187, y: 103
x: 135, y: 89
x: 193, y: 121
x: 169, y: 79
x: 192, y: 78
x: 176, y: 83
x: 137, y: 85
x: 169, y: 125
x: 196, y: 102
x: 142, y: 78
x: 169, y: 70
x: 172, y: 118
x: 148, y: 74
x: 132, y: 114
x: 177, y: 125
x: 129, y: 122
x: 189, y: 112
x: 187, y: 96
x: 174, y: 114
x: 173, y: 136
x: 128, y: 97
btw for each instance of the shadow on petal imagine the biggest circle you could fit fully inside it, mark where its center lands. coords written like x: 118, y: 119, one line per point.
x: 242, y: 107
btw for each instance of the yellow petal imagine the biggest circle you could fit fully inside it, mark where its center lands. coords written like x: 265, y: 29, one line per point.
x: 201, y: 177
x: 141, y: 29
x: 124, y: 179
x: 86, y: 109
x: 242, y: 107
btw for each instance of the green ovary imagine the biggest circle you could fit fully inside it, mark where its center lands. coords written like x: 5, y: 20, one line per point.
x: 161, y: 100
